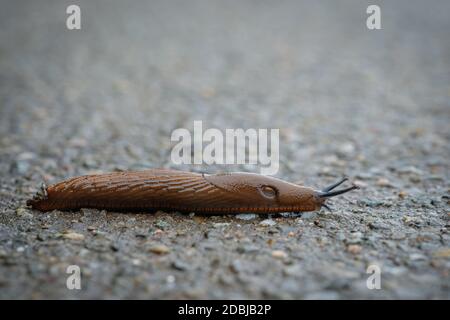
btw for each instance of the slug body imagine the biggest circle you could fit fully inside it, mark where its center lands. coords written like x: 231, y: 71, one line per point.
x: 171, y: 190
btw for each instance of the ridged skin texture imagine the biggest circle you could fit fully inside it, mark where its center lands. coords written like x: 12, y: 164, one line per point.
x: 171, y: 190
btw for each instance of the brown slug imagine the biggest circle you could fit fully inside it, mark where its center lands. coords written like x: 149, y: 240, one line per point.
x: 172, y: 190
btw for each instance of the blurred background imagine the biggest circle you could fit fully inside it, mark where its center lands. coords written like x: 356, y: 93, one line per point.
x: 372, y: 104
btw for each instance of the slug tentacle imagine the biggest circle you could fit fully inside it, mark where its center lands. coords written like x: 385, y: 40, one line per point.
x: 334, y: 185
x: 329, y: 194
x: 172, y: 190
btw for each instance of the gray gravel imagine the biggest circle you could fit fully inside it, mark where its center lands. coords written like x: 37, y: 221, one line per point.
x: 373, y: 105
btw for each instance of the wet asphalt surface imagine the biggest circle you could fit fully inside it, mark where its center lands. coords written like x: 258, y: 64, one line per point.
x: 373, y: 105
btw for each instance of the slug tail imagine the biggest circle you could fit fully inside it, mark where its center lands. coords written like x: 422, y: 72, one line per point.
x: 39, y: 199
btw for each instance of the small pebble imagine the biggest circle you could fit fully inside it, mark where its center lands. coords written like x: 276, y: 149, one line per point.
x: 402, y: 194
x: 410, y: 170
x: 442, y: 253
x: 354, y: 249
x: 360, y: 183
x: 219, y: 225
x: 41, y: 237
x: 159, y: 249
x: 23, y: 212
x: 247, y: 249
x: 417, y: 257
x: 140, y: 235
x: 246, y: 216
x: 354, y: 238
x: 370, y: 203
x: 136, y: 262
x: 179, y: 265
x: 236, y: 266
x: 309, y: 215
x: 161, y: 224
x: 268, y: 222
x: 383, y: 182
x: 412, y: 221
x: 293, y: 270
x: 73, y: 236
x: 279, y: 254
x: 398, y: 235
x: 346, y: 148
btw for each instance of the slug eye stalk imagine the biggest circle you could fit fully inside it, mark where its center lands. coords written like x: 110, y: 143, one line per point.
x: 327, y: 191
x: 334, y: 185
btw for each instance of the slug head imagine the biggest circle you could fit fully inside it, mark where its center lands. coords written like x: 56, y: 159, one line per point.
x: 269, y: 192
x: 327, y: 192
x: 310, y: 198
